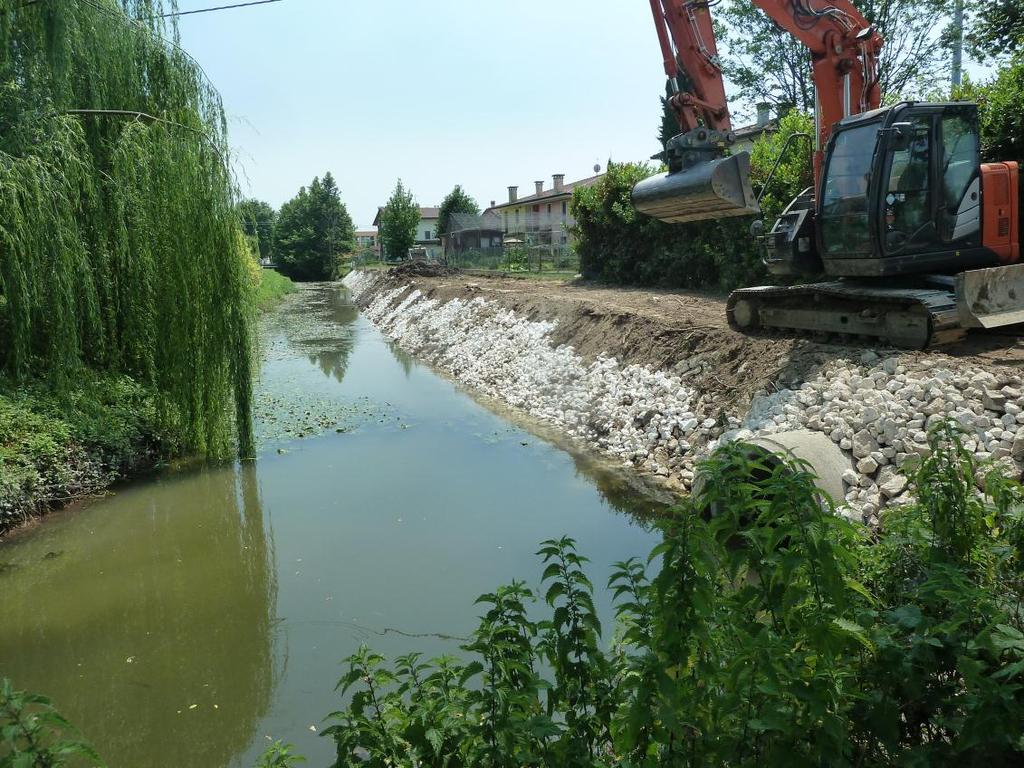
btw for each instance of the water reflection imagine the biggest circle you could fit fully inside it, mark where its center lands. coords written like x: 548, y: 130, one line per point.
x: 159, y: 609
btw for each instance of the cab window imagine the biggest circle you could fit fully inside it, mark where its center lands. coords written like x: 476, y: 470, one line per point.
x: 960, y: 211
x: 844, y: 206
x: 907, y: 210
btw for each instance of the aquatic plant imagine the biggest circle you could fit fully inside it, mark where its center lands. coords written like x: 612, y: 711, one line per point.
x: 120, y: 245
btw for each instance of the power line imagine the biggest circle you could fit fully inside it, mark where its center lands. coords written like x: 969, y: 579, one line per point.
x: 217, y: 8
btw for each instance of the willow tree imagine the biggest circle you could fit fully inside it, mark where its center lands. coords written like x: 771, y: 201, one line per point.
x: 120, y: 246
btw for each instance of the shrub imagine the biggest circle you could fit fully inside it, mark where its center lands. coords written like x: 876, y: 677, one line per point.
x: 616, y: 244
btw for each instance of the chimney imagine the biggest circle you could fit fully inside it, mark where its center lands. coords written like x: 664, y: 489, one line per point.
x: 540, y: 187
x: 764, y: 114
x: 559, y: 181
x: 513, y: 194
x: 492, y: 203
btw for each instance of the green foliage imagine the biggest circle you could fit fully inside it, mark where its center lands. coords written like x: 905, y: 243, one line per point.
x: 273, y: 287
x: 259, y: 222
x: 794, y: 173
x: 997, y: 29
x: 1002, y: 114
x: 617, y: 244
x: 58, y: 444
x: 774, y: 634
x: 314, y: 232
x: 456, y: 201
x: 769, y: 64
x: 279, y: 755
x: 34, y: 735
x: 119, y: 240
x: 398, y: 223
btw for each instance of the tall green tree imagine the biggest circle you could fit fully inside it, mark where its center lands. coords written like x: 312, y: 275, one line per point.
x: 398, y: 222
x: 768, y: 64
x: 456, y: 201
x: 122, y: 249
x: 997, y: 29
x: 314, y: 231
x: 259, y: 221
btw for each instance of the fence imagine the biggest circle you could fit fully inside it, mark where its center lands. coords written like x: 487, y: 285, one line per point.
x: 511, y: 259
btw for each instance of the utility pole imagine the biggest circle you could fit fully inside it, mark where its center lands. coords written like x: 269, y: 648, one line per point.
x: 958, y: 42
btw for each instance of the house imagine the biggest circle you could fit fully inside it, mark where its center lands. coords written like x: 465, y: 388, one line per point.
x: 427, y: 244
x: 472, y: 232
x: 542, y: 219
x: 366, y: 240
x: 748, y: 134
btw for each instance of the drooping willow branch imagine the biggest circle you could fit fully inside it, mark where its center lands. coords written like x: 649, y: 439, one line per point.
x: 120, y: 247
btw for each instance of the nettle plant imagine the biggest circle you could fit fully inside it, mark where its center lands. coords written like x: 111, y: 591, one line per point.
x: 770, y: 633
x: 34, y: 735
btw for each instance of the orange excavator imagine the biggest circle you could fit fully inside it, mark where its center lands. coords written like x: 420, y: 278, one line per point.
x: 920, y: 240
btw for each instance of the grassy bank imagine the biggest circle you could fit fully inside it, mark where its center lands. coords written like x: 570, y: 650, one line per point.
x: 60, y: 445
x: 273, y: 287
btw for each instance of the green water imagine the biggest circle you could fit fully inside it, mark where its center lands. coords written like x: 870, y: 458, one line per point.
x: 186, y: 619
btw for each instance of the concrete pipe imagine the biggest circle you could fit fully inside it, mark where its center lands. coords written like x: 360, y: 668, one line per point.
x: 827, y: 460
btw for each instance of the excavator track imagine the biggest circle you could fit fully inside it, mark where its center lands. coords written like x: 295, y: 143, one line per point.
x: 904, y: 317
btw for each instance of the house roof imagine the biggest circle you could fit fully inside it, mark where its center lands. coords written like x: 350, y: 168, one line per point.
x: 550, y: 194
x: 425, y: 213
x: 468, y: 222
x: 755, y: 130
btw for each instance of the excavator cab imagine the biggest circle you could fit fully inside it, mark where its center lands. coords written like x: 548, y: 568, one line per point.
x: 901, y: 193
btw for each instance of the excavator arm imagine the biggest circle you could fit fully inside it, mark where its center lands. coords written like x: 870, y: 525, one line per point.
x: 703, y: 182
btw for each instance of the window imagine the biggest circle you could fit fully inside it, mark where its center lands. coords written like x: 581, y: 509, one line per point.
x: 907, y: 210
x: 426, y: 235
x: 844, y: 206
x: 565, y: 208
x: 960, y: 214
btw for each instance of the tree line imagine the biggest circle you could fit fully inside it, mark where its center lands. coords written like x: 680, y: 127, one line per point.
x: 312, y: 236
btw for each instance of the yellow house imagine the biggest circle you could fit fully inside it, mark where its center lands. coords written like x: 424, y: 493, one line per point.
x: 543, y: 218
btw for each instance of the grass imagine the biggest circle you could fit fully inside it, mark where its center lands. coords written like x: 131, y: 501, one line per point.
x: 273, y: 287
x: 57, y: 445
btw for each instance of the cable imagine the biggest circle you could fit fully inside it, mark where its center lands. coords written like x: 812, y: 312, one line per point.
x: 217, y: 8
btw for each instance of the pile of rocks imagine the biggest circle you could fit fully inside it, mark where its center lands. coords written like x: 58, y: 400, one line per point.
x: 645, y: 418
x: 880, y: 412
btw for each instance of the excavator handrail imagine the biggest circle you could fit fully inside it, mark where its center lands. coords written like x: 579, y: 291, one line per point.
x: 778, y: 161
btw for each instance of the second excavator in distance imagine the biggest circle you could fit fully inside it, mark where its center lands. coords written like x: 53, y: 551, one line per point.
x: 919, y: 239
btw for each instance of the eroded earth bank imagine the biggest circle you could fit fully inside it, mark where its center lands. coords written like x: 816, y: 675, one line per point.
x: 657, y: 379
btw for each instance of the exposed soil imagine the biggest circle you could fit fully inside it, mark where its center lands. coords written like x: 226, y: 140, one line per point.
x: 687, y: 333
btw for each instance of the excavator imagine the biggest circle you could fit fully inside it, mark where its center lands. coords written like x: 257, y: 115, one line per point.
x: 919, y: 239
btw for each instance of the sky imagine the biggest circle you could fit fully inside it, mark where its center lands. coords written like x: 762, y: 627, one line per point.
x: 439, y: 93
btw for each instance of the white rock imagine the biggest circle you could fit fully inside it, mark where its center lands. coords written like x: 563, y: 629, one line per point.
x: 864, y: 444
x: 867, y: 466
x: 891, y: 483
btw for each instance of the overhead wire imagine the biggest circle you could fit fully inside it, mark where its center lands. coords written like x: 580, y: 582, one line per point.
x: 215, y: 8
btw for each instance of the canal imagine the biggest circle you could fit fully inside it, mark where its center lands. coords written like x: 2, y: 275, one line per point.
x: 188, y: 618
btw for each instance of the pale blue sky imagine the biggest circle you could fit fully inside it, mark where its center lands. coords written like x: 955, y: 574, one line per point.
x: 483, y: 94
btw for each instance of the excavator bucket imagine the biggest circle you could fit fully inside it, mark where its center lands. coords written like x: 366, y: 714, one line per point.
x: 990, y: 298
x: 714, y: 189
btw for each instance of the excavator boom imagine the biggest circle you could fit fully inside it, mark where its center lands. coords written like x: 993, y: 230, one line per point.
x: 704, y: 181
